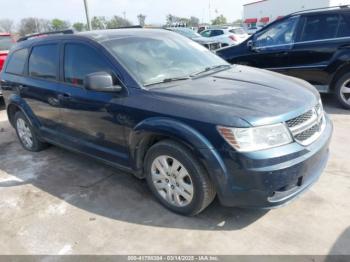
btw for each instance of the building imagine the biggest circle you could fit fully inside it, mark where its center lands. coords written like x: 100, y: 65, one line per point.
x: 260, y: 13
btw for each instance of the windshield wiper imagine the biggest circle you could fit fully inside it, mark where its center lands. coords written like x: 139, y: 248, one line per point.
x: 211, y: 68
x: 168, y: 80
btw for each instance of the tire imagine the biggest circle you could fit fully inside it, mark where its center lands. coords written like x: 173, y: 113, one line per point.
x: 26, y: 134
x: 178, y: 180
x: 340, y: 86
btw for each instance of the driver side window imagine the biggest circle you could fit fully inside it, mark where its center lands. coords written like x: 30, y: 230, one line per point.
x: 278, y: 36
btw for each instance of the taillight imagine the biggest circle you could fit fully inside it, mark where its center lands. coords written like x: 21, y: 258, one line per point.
x: 233, y: 38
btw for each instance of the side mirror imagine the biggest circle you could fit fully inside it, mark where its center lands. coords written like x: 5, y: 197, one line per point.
x: 101, y: 82
x: 250, y: 44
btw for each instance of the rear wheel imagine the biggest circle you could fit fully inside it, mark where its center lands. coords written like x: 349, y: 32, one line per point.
x: 176, y: 178
x: 342, y: 89
x: 26, y: 134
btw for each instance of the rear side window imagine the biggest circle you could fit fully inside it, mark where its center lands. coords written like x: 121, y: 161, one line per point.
x: 43, y: 62
x: 216, y: 32
x: 17, y: 62
x: 81, y: 60
x: 344, y: 26
x: 318, y: 27
x: 5, y: 43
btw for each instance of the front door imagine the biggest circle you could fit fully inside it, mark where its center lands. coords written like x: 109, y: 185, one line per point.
x: 271, y: 47
x: 90, y: 120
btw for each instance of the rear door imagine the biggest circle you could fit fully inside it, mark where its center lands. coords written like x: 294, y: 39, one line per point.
x: 39, y: 87
x: 318, y: 40
x: 91, y: 120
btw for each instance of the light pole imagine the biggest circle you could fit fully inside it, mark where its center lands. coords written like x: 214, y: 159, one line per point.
x: 87, y: 15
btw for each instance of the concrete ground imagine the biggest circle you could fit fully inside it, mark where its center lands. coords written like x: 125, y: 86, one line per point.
x: 58, y: 202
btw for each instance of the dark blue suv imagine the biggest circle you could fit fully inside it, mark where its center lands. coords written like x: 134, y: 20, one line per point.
x: 160, y: 106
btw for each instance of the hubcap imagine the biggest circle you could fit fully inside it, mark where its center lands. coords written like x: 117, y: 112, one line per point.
x: 172, y: 181
x: 345, y: 92
x: 24, y: 133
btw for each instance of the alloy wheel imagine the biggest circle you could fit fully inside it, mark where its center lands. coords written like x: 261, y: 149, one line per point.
x: 345, y: 92
x: 24, y: 133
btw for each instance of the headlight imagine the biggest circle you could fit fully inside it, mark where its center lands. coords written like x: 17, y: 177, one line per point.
x: 256, y: 138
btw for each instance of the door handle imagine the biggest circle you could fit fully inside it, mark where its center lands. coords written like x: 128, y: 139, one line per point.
x: 64, y: 96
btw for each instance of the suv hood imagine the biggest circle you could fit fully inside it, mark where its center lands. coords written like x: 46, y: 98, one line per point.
x: 257, y: 96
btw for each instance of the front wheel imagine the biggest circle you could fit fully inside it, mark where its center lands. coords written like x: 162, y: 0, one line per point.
x: 176, y: 178
x: 342, y: 90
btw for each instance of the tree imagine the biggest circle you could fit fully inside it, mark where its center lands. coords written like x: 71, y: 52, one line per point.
x: 220, y: 20
x: 118, y: 21
x: 142, y: 19
x: 98, y: 23
x: 79, y: 26
x: 58, y: 25
x: 6, y: 25
x: 32, y: 25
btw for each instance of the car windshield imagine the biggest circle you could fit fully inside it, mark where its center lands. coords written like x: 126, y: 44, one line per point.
x: 155, y: 59
x: 187, y: 32
x: 5, y: 43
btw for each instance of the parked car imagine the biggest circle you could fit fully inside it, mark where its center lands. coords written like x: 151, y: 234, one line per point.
x: 6, y: 41
x: 208, y: 43
x: 202, y: 28
x: 227, y: 36
x: 158, y: 105
x: 253, y: 30
x: 311, y: 45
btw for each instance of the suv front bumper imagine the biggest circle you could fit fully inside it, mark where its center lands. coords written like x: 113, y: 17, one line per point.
x: 273, y: 177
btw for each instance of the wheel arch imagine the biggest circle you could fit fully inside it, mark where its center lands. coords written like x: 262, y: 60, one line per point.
x: 343, y: 69
x: 152, y: 130
x: 16, y: 103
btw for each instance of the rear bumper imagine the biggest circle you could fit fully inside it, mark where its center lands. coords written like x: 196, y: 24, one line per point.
x: 273, y: 177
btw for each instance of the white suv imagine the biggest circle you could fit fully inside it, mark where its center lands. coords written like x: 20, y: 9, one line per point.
x: 227, y: 36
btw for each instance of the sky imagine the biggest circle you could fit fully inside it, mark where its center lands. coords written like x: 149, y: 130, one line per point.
x: 155, y: 10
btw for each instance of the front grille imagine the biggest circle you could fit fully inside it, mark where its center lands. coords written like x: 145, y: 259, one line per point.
x: 300, y: 119
x: 307, y: 127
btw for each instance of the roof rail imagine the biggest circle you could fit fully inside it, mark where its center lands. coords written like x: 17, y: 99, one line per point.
x: 320, y: 9
x: 62, y: 32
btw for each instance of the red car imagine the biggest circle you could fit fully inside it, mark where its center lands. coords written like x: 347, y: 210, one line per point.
x: 6, y: 41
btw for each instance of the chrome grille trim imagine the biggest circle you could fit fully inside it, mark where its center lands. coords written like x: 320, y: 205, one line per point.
x: 307, y: 127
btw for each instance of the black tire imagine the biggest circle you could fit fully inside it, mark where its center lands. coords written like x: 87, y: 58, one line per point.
x: 36, y: 144
x: 338, y: 90
x: 203, y: 189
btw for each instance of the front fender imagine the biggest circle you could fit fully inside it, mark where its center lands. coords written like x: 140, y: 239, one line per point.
x: 181, y: 132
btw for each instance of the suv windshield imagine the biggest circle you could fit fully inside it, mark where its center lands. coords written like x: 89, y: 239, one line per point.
x: 5, y: 43
x: 155, y: 59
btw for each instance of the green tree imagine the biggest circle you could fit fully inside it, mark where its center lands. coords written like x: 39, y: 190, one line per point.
x: 98, y: 23
x: 79, y: 26
x: 117, y: 22
x: 57, y: 24
x: 142, y: 19
x: 220, y: 20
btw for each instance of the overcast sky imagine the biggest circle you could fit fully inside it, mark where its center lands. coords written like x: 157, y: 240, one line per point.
x: 156, y: 10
